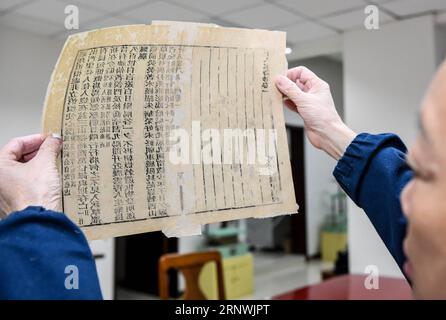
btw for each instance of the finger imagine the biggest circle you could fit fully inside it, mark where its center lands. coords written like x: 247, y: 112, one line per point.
x: 293, y: 73
x: 301, y: 85
x: 298, y: 83
x: 290, y: 104
x: 18, y: 147
x: 304, y: 75
x: 50, y: 149
x: 29, y: 156
x: 290, y: 89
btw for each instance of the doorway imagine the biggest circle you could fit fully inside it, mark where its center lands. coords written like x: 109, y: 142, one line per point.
x: 296, y: 143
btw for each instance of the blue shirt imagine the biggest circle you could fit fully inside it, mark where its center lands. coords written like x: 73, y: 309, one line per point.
x: 43, y: 255
x: 373, y: 172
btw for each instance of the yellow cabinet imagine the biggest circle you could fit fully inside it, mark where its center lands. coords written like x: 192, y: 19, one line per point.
x: 332, y: 243
x: 238, y: 277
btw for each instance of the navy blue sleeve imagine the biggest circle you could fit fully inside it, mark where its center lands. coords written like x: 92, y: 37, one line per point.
x: 43, y: 255
x: 373, y: 172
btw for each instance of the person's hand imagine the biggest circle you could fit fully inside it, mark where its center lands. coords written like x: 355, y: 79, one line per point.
x: 310, y: 96
x: 28, y: 174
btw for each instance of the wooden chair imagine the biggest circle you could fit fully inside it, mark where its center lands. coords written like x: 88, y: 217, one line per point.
x: 190, y: 265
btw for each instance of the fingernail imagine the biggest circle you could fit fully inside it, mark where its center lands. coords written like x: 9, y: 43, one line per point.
x: 56, y: 136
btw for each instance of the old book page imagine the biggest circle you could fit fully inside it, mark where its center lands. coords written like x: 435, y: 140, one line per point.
x: 170, y: 126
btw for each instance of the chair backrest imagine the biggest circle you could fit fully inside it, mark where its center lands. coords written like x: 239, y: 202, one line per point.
x: 190, y: 265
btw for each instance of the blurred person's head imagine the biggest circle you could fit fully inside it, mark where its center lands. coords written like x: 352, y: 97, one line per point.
x: 424, y: 198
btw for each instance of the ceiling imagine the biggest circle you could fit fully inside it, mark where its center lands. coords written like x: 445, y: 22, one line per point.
x: 304, y: 20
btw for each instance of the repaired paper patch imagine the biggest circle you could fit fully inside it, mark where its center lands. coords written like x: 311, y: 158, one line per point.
x: 170, y: 126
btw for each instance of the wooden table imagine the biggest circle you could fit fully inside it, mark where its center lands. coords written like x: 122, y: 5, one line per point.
x: 351, y: 287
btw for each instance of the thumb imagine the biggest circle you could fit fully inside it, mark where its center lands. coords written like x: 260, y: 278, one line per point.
x: 290, y: 89
x: 50, y: 148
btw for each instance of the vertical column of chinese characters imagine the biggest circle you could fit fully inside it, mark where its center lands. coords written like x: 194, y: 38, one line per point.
x: 116, y: 135
x: 274, y: 177
x: 158, y: 132
x: 92, y: 95
x: 174, y: 69
x: 100, y: 83
x: 69, y: 162
x: 100, y: 97
x: 127, y: 130
x: 165, y: 72
x: 151, y: 112
x: 82, y: 145
x: 103, y: 99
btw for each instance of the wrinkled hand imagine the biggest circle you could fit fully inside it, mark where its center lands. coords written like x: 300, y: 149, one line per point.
x: 28, y: 174
x: 310, y: 97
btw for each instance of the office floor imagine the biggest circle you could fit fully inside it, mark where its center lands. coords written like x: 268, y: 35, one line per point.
x: 273, y: 274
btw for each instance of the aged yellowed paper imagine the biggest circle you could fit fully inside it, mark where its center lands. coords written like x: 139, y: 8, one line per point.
x: 170, y: 126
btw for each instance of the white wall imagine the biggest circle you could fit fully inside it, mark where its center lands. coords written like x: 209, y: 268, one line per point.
x: 319, y: 181
x: 440, y: 39
x: 26, y: 63
x: 386, y: 73
x: 105, y: 264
